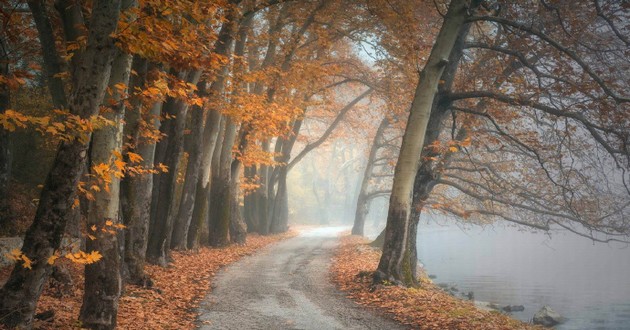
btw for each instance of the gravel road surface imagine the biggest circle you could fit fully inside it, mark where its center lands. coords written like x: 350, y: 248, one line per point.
x: 286, y: 286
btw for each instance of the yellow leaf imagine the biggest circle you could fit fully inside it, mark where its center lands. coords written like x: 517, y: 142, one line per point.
x: 27, y: 262
x: 101, y: 169
x: 134, y: 158
x: 163, y: 167
x: 93, y: 227
x: 452, y: 149
x: 120, y: 87
x: 14, y: 255
x: 108, y: 223
x: 52, y: 259
x: 119, y: 164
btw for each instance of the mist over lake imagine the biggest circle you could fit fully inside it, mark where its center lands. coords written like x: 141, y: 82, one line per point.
x: 586, y: 282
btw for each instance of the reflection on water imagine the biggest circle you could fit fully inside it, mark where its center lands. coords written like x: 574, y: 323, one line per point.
x: 587, y: 283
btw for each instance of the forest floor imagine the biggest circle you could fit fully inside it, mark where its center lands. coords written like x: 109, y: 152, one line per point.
x: 287, y: 286
x: 172, y: 302
x: 428, y: 307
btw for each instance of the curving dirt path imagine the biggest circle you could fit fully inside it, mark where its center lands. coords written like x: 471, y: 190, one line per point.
x: 286, y: 286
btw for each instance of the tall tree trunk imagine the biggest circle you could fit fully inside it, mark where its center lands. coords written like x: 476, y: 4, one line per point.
x: 103, y: 282
x: 238, y: 228
x: 427, y: 177
x: 20, y: 293
x: 212, y: 132
x: 261, y: 195
x: 221, y: 191
x: 5, y: 138
x: 249, y: 205
x: 136, y: 189
x: 184, y: 215
x: 195, y: 160
x: 280, y: 218
x: 212, y: 201
x: 363, y: 200
x: 160, y: 234
x: 200, y: 209
x: 279, y: 213
x: 397, y: 229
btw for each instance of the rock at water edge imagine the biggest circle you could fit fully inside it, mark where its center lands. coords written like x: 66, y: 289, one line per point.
x: 547, y: 317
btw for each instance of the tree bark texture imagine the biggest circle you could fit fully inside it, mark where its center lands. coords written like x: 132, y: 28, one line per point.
x: 6, y: 158
x: 103, y: 282
x: 184, y: 215
x: 212, y: 131
x: 280, y: 218
x: 20, y: 293
x: 221, y: 191
x: 196, y: 157
x: 238, y: 228
x: 390, y: 267
x: 200, y: 208
x: 249, y: 207
x: 213, y: 196
x: 136, y: 190
x: 160, y: 235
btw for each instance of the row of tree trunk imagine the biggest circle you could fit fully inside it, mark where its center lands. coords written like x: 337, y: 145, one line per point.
x: 167, y: 170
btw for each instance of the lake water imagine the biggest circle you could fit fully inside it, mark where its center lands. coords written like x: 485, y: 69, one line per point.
x: 586, y: 282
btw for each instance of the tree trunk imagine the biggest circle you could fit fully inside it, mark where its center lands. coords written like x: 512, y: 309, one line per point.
x: 6, y: 158
x: 363, y: 205
x: 280, y: 219
x: 390, y: 267
x: 279, y: 212
x: 249, y: 205
x: 200, y: 209
x: 221, y: 191
x: 136, y: 189
x: 261, y: 195
x: 103, y: 283
x: 212, y: 200
x: 160, y: 235
x: 195, y: 160
x: 24, y: 286
x: 179, y: 238
x: 238, y: 228
x: 212, y: 131
x: 362, y: 210
x: 379, y: 240
x: 168, y: 125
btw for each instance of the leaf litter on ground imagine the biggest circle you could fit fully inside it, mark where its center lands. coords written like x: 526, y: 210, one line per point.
x: 426, y: 307
x: 172, y: 301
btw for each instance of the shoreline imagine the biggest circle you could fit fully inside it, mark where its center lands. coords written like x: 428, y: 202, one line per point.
x: 427, y: 307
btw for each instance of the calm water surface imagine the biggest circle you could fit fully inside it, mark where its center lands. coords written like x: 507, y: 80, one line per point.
x: 585, y: 282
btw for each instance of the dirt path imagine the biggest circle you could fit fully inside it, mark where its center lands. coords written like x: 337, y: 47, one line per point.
x: 286, y: 287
